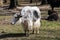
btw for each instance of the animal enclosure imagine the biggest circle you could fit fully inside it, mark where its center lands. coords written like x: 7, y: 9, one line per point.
x: 49, y: 30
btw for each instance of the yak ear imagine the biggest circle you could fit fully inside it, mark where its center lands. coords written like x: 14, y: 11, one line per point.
x: 15, y: 15
x: 20, y: 15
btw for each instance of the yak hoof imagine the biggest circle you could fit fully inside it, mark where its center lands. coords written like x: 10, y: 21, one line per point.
x: 27, y: 34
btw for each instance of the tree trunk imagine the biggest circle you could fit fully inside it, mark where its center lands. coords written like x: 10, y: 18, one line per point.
x: 13, y: 4
x: 4, y: 1
x: 43, y: 2
x: 30, y: 1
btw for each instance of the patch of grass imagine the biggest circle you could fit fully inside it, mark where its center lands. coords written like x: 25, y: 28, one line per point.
x: 5, y: 17
x: 49, y: 30
x: 11, y: 28
x: 50, y: 25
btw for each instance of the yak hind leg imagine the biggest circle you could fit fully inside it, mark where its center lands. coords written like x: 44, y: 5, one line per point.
x: 27, y: 32
x: 36, y: 30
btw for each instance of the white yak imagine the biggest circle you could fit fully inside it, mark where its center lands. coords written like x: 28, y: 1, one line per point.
x: 29, y: 18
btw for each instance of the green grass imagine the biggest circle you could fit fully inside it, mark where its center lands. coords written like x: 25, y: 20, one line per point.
x: 10, y: 28
x: 49, y: 30
x: 50, y: 25
x: 5, y: 17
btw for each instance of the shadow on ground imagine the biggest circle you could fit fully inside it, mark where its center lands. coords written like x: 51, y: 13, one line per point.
x: 12, y: 35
